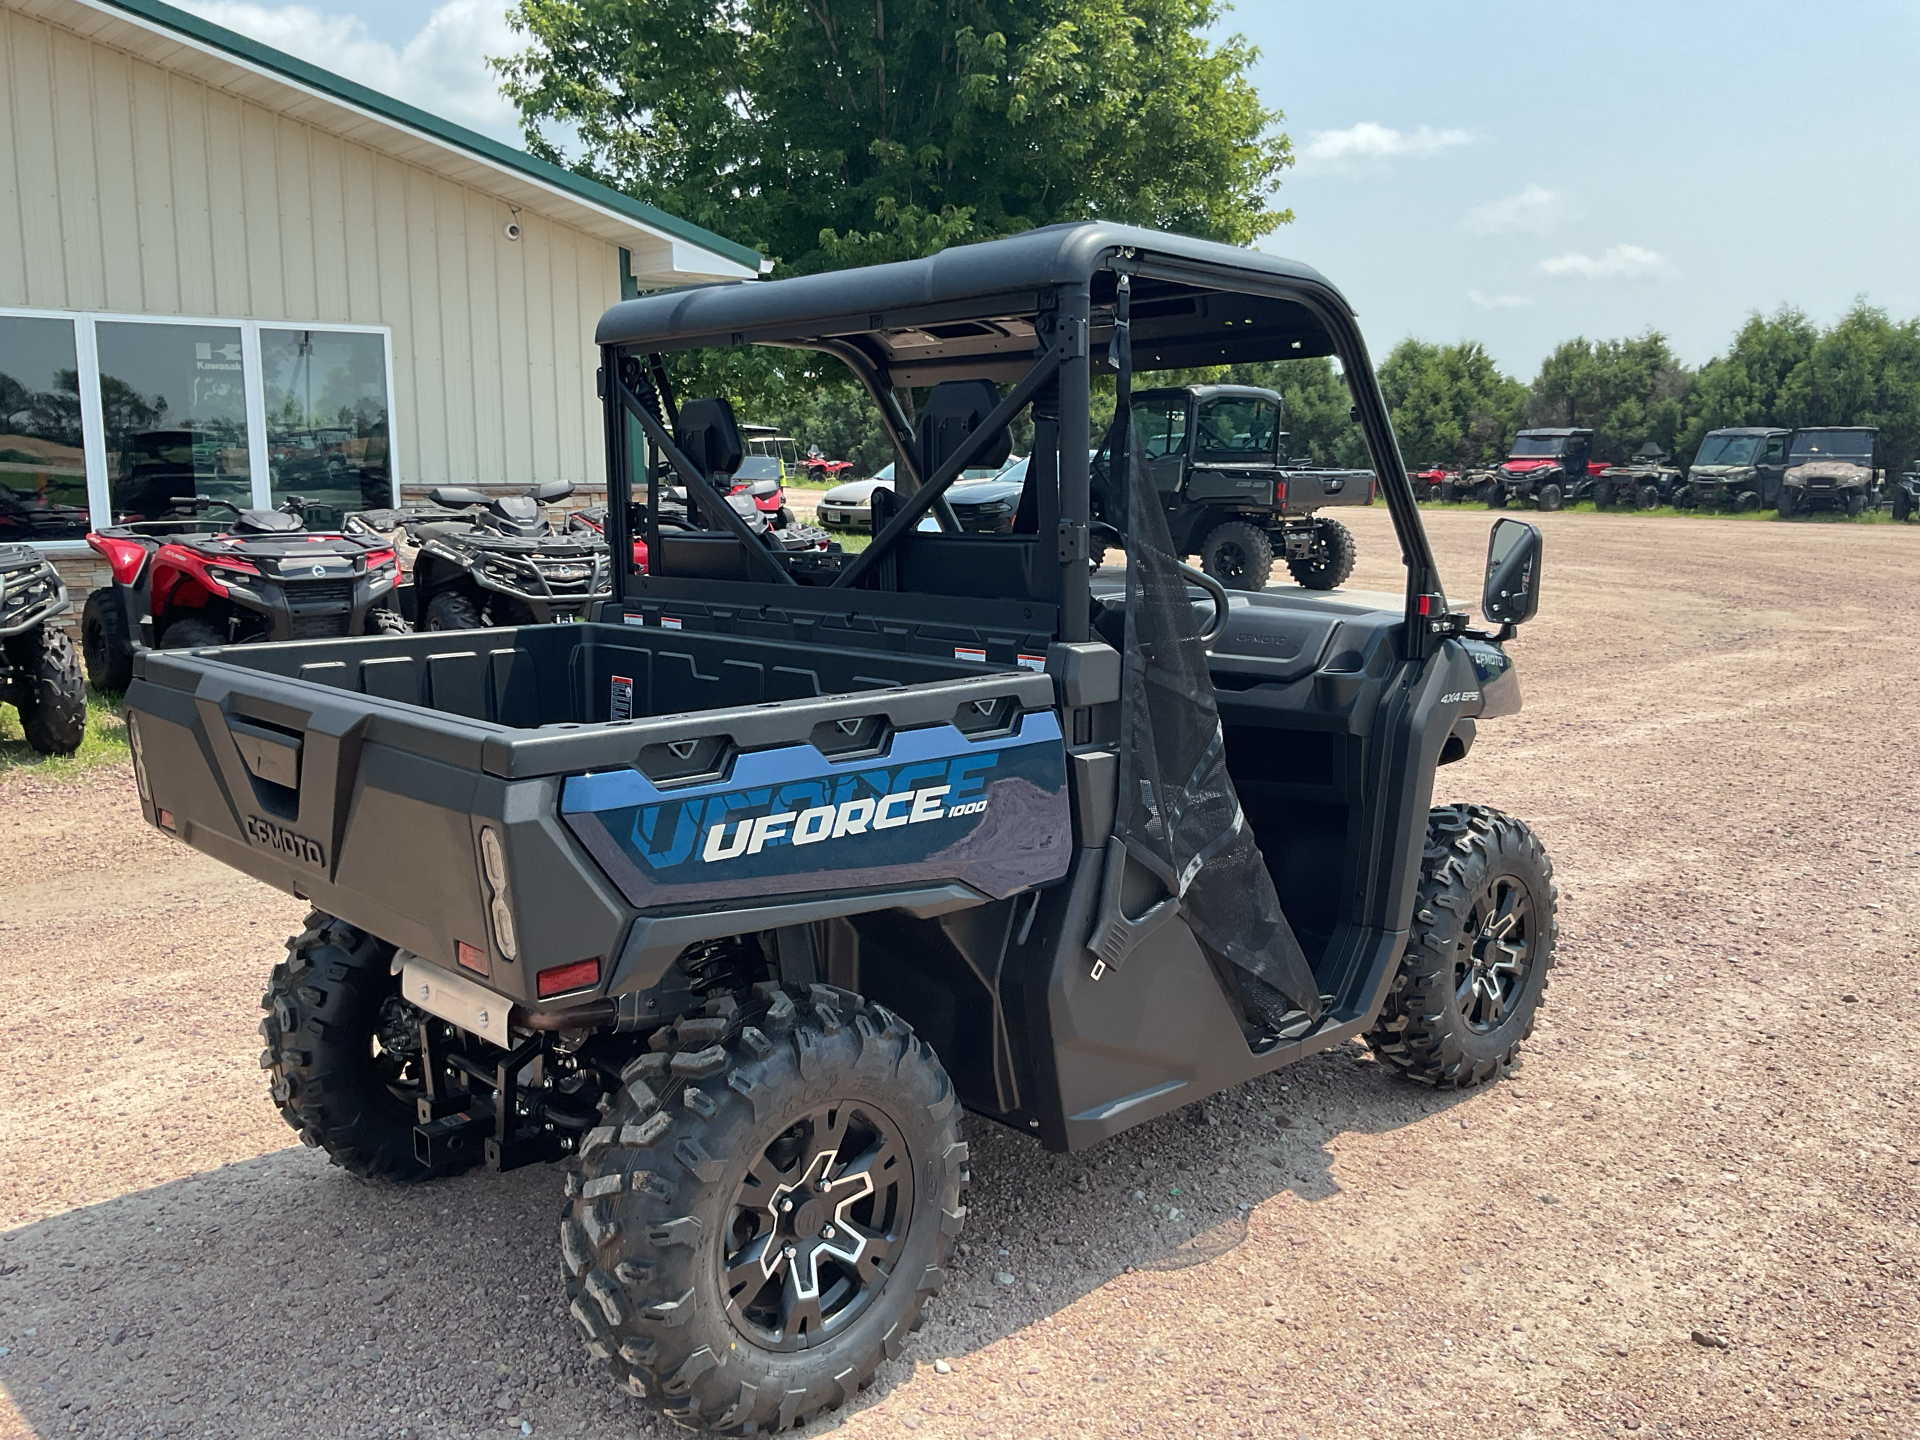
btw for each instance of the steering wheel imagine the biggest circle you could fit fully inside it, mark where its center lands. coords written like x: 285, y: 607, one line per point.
x: 1215, y: 590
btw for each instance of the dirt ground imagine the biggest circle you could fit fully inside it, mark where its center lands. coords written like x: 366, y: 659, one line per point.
x: 1692, y: 1213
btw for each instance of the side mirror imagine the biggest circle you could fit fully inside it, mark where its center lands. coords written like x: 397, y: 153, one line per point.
x: 1512, y: 591
x: 761, y: 489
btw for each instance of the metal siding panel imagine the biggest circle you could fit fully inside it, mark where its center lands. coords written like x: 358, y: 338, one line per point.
x: 154, y: 189
x: 566, y: 338
x: 332, y: 300
x: 120, y: 237
x: 37, y: 167
x: 599, y: 292
x: 423, y: 297
x: 517, y: 366
x: 456, y: 336
x: 81, y: 230
x: 13, y: 249
x: 294, y: 190
x: 230, y: 246
x: 360, y: 237
x: 543, y: 413
x: 188, y: 123
x: 481, y: 308
x: 260, y: 213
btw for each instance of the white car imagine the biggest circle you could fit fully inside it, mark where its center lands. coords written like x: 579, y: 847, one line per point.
x: 850, y: 506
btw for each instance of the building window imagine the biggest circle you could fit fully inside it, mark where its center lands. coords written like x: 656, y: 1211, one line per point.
x: 326, y: 410
x: 43, y: 463
x: 107, y: 419
x: 173, y: 403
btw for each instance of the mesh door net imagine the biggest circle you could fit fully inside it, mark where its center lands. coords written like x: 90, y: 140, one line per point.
x: 1179, y: 815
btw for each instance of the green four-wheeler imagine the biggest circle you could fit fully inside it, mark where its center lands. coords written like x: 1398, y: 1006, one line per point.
x: 1215, y: 455
x: 731, y: 898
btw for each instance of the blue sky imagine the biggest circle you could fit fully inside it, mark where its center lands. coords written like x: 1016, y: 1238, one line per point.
x: 1512, y: 173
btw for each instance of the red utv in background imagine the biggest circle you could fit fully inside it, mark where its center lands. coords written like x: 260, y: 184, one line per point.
x: 1549, y: 467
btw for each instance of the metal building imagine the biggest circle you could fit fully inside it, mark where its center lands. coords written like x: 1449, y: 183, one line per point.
x: 227, y: 272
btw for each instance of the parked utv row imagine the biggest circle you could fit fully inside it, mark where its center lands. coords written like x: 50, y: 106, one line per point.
x: 730, y: 898
x: 1742, y: 469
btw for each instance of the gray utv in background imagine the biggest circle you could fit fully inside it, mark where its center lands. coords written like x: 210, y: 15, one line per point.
x: 1216, y: 456
x: 1645, y: 481
x: 1738, y: 469
x: 1832, y: 467
x: 731, y: 898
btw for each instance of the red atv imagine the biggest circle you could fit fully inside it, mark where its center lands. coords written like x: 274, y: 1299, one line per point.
x: 183, y: 582
x: 1434, y: 483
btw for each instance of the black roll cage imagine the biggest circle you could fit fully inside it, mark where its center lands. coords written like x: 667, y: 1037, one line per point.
x: 1070, y: 317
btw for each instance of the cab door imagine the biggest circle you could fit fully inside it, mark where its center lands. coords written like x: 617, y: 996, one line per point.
x: 1771, y: 465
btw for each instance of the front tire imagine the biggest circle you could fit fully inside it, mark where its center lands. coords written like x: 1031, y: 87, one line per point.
x: 766, y: 1210
x: 104, y: 642
x: 191, y: 635
x: 1548, y: 497
x: 1331, y: 559
x: 1856, y: 504
x: 383, y: 621
x: 1476, y: 962
x: 50, y: 693
x: 1789, y: 503
x: 450, y: 610
x: 343, y: 1052
x: 1238, y: 555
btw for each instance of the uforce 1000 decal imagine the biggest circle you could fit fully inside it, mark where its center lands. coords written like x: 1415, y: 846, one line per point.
x: 990, y: 813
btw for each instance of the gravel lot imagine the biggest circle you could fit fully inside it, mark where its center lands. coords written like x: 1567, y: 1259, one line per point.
x: 1693, y: 1213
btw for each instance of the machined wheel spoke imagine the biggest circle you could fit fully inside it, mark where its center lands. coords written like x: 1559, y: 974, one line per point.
x: 752, y: 1266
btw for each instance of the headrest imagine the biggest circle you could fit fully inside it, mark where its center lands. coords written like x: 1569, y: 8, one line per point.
x: 954, y: 411
x: 708, y: 433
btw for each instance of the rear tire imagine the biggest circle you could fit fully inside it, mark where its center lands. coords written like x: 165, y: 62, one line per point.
x: 330, y: 1005
x: 450, y: 610
x: 104, y: 642
x: 382, y: 621
x: 50, y: 693
x: 1331, y: 560
x: 1548, y: 497
x: 1788, y: 503
x: 682, y: 1242
x: 1856, y: 504
x: 1449, y: 492
x: 191, y: 635
x: 1495, y: 496
x: 1603, y: 497
x: 1468, y: 990
x: 1238, y: 555
x: 1902, y: 505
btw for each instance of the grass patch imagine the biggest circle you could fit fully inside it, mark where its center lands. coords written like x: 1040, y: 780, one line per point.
x: 105, y: 742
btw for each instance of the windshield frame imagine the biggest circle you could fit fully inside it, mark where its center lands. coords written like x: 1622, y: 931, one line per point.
x: 1865, y: 439
x: 1728, y: 443
x: 1558, y: 442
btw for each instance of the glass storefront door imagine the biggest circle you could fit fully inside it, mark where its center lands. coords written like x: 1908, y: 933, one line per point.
x: 174, y: 405
x: 326, y: 413
x: 43, y: 463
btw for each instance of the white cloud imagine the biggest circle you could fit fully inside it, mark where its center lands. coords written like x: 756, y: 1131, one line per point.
x: 442, y: 69
x: 1534, y: 211
x: 1497, y: 302
x: 1340, y: 149
x: 1619, y: 262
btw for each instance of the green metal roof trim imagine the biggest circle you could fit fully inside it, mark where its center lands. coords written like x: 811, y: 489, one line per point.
x: 339, y: 87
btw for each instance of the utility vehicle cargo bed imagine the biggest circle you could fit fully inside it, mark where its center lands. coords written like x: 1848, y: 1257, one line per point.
x: 706, y: 770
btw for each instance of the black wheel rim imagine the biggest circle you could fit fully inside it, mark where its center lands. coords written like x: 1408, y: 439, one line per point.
x: 1496, y: 956
x: 1229, y: 561
x: 816, y: 1225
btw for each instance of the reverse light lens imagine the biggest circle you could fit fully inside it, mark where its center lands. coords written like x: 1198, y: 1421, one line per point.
x: 503, y: 935
x: 493, y: 858
x: 580, y: 975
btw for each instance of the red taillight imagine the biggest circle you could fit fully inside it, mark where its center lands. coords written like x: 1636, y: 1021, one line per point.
x: 640, y: 556
x: 472, y: 957
x: 1426, y: 604
x: 125, y: 557
x: 580, y: 975
x: 377, y: 558
x: 1279, y: 492
x: 166, y: 819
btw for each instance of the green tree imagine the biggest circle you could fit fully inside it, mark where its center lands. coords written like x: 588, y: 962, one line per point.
x: 1864, y: 371
x: 1450, y: 404
x: 1745, y: 386
x: 830, y: 133
x: 1626, y: 391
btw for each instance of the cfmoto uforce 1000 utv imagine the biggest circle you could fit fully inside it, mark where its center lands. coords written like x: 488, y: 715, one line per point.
x: 734, y: 896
